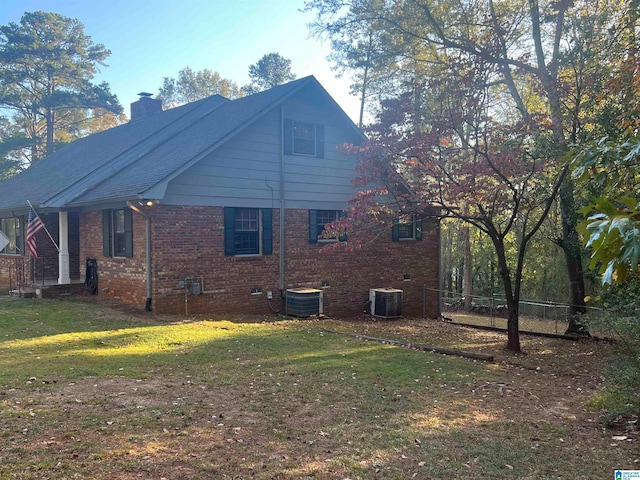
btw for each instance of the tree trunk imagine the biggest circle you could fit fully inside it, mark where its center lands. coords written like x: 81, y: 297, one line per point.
x: 363, y: 94
x: 513, y: 329
x: 50, y: 129
x: 570, y: 244
x: 467, y: 279
x: 512, y: 298
x: 549, y: 79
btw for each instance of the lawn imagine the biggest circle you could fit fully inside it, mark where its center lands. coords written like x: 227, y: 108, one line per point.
x: 91, y: 391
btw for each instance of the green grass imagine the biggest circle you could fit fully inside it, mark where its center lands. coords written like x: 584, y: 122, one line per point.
x: 88, y: 392
x: 72, y: 341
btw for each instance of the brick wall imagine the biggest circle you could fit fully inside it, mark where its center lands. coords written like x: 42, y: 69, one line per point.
x: 188, y: 243
x: 380, y: 263
x: 118, y: 278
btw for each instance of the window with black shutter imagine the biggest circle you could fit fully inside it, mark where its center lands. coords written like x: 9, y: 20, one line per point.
x: 406, y: 227
x: 318, y: 220
x: 247, y: 231
x: 303, y: 138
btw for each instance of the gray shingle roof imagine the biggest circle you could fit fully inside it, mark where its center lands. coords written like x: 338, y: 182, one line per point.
x: 127, y: 160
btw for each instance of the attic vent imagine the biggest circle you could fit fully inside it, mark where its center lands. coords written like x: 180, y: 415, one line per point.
x: 145, y: 106
x: 386, y: 302
x: 304, y: 302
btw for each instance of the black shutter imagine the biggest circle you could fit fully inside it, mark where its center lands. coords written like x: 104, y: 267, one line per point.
x: 229, y: 230
x: 418, y: 226
x: 287, y: 136
x: 313, y: 226
x: 343, y: 237
x: 319, y: 141
x: 128, y: 233
x: 267, y: 231
x: 395, y: 230
x: 106, y: 233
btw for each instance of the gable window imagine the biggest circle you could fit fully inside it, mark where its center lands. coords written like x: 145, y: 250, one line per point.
x: 406, y: 227
x: 303, y: 138
x: 247, y: 231
x: 13, y: 228
x: 117, y: 233
x: 318, y: 219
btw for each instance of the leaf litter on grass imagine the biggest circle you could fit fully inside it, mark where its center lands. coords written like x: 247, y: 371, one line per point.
x: 281, y: 400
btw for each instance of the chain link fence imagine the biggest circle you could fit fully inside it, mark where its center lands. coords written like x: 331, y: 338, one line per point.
x: 535, y: 316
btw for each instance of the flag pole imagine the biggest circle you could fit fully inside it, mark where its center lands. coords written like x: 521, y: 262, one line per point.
x: 45, y: 227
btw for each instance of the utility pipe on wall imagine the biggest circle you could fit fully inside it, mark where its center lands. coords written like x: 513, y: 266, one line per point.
x: 147, y: 220
x: 282, y: 236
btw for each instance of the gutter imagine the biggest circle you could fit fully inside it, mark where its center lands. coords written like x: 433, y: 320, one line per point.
x: 147, y: 220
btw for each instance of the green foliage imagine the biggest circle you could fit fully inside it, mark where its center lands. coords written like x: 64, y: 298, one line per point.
x: 12, y: 140
x: 613, y: 234
x: 609, y: 167
x: 620, y: 319
x: 270, y: 71
x: 191, y: 86
x: 46, y: 67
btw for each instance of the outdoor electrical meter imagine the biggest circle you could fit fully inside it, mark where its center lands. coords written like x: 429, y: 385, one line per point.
x: 190, y: 286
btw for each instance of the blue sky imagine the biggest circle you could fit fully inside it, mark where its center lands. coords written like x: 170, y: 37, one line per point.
x: 152, y: 39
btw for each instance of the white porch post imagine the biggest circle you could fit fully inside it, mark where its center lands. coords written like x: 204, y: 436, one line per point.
x: 63, y: 256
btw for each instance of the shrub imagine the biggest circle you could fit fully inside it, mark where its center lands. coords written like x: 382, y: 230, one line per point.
x: 620, y: 319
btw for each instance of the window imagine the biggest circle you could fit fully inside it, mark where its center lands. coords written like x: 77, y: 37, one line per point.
x: 318, y: 219
x: 303, y: 138
x: 13, y: 228
x: 117, y: 233
x: 406, y: 227
x: 247, y: 232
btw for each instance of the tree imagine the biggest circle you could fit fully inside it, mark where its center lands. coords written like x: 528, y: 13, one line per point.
x: 468, y: 165
x: 610, y: 168
x: 548, y: 61
x: 364, y: 49
x: 191, y: 86
x: 11, y: 141
x: 270, y: 71
x: 46, y: 67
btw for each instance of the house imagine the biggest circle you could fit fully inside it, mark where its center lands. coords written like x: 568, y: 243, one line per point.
x: 217, y: 206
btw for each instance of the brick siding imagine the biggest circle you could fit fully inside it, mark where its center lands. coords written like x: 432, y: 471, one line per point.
x: 118, y: 278
x: 188, y: 243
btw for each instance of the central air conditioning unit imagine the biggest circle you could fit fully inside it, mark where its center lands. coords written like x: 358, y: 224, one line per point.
x: 385, y: 302
x: 303, y: 302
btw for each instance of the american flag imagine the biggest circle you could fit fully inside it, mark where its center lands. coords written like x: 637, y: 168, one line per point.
x: 34, y: 225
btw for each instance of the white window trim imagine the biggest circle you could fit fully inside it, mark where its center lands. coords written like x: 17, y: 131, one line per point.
x: 293, y: 138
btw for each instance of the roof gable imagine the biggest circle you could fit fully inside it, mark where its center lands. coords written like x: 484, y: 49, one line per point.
x: 139, y: 158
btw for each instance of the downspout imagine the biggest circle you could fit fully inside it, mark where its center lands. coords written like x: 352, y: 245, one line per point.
x: 281, y: 284
x: 147, y: 221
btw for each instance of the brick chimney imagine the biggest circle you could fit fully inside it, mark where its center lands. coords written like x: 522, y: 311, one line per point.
x: 145, y: 107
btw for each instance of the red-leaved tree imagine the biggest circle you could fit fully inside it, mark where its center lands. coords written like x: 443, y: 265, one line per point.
x: 455, y: 153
